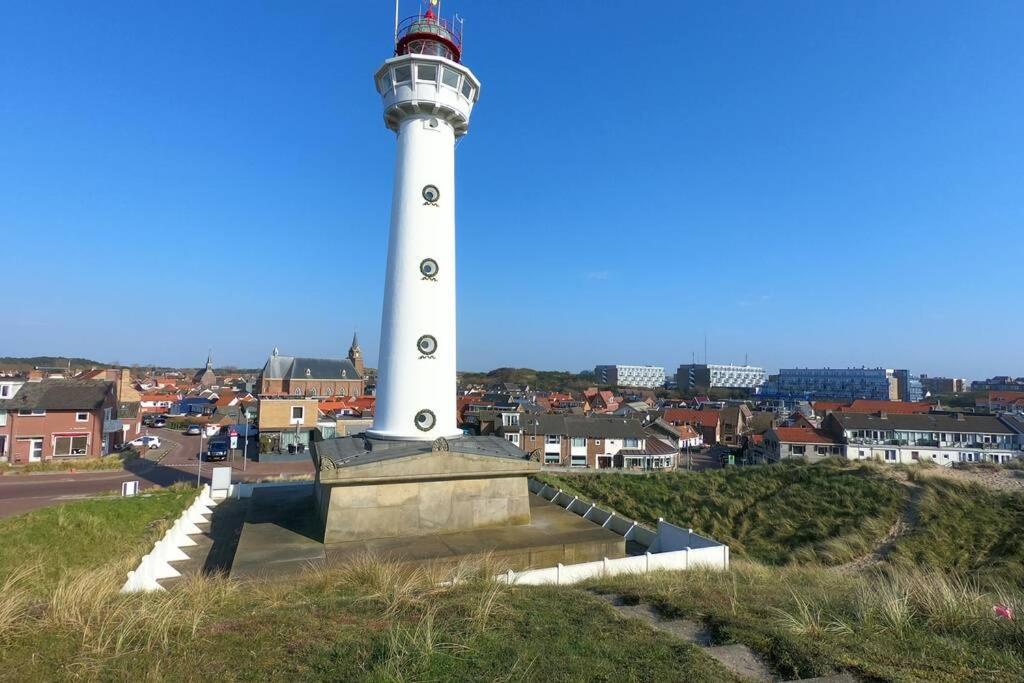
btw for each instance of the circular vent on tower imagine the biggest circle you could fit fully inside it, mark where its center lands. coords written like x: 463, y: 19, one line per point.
x: 428, y: 267
x: 431, y: 193
x: 425, y: 420
x: 426, y: 345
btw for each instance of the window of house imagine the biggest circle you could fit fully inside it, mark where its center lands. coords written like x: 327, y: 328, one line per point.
x: 578, y: 461
x: 31, y: 411
x: 579, y: 442
x: 890, y: 455
x: 915, y: 455
x: 821, y: 450
x: 71, y: 445
x: 426, y: 72
x: 631, y: 443
x: 403, y: 74
x: 5, y: 390
x: 450, y: 78
x: 597, y: 442
x: 81, y: 417
x: 510, y: 419
x: 298, y: 412
x: 514, y: 438
x: 797, y: 450
x: 552, y: 459
x: 552, y: 439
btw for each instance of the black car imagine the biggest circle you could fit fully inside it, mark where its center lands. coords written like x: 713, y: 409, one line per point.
x: 218, y: 450
x: 147, y: 420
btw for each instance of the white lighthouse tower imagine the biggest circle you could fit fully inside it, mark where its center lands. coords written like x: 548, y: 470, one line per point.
x: 428, y: 96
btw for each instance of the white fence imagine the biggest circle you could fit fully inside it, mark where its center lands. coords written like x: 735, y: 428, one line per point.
x: 156, y: 565
x: 669, y: 548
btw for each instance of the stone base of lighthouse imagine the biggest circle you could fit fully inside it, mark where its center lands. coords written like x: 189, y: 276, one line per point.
x: 416, y: 502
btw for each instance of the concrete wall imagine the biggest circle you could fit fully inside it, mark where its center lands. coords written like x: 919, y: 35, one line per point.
x: 417, y: 508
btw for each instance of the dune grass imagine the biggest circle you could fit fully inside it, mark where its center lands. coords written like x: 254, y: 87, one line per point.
x: 967, y: 529
x: 370, y: 620
x: 807, y: 621
x: 771, y: 513
x: 87, y: 534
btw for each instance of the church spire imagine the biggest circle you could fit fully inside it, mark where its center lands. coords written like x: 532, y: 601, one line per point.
x: 209, y: 359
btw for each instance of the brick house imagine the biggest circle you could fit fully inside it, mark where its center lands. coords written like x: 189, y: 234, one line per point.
x: 59, y: 418
x: 596, y: 442
x: 707, y: 422
x: 286, y: 424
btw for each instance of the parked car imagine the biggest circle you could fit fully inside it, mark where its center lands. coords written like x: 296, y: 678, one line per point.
x: 147, y: 420
x: 217, y: 450
x: 146, y: 442
x: 160, y: 421
x: 194, y: 430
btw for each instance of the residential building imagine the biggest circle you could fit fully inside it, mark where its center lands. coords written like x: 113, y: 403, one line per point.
x: 999, y: 383
x: 9, y: 386
x: 943, y: 385
x: 733, y: 419
x: 706, y: 422
x: 879, y: 384
x: 596, y: 401
x: 313, y: 377
x: 781, y: 443
x: 596, y: 442
x: 701, y: 377
x: 1002, y: 401
x: 59, y: 418
x: 908, y: 386
x: 286, y: 424
x: 942, y: 438
x: 646, y: 376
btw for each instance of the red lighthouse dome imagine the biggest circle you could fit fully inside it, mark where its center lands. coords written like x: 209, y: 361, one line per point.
x: 427, y: 34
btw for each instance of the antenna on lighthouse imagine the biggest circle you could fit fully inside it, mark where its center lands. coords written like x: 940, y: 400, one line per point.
x: 396, y: 21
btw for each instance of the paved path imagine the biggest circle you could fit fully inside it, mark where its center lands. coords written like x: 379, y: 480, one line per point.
x: 736, y: 657
x: 176, y: 462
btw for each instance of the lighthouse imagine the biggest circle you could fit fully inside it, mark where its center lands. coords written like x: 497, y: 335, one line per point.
x: 428, y: 95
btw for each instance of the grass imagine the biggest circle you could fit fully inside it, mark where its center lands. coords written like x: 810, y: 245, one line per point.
x: 114, y: 461
x: 966, y: 529
x: 772, y: 513
x: 370, y: 620
x: 54, y: 542
x: 807, y: 621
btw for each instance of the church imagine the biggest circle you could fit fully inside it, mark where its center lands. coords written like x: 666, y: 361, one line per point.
x: 314, y: 377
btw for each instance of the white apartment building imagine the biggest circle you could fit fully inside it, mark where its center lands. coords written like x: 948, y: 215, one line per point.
x: 942, y: 438
x: 642, y: 376
x: 718, y: 376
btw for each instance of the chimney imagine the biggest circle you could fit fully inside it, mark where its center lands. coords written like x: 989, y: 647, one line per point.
x: 884, y: 415
x: 959, y: 417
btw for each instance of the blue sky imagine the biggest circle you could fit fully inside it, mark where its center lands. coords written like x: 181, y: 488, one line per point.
x: 806, y: 183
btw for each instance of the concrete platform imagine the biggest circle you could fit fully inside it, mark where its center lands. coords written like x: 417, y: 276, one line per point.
x: 282, y: 536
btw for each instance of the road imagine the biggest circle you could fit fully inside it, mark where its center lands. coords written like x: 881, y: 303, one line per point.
x: 178, y: 462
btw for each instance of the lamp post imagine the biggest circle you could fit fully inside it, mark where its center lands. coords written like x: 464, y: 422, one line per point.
x: 199, y: 456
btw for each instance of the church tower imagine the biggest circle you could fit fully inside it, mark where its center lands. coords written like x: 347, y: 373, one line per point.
x: 355, y: 354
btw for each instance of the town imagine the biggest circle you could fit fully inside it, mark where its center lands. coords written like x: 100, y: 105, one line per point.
x: 633, y: 417
x: 251, y: 428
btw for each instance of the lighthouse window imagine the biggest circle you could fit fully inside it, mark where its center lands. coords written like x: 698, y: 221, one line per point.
x: 426, y: 72
x: 403, y: 74
x: 385, y: 83
x: 467, y: 90
x: 450, y: 78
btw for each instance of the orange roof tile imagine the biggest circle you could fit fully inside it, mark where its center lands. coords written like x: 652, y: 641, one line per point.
x: 803, y: 435
x: 894, y: 407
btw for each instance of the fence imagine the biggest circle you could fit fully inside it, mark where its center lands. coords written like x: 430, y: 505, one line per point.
x: 669, y: 548
x: 156, y: 565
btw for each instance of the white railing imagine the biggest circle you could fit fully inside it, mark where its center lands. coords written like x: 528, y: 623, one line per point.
x: 156, y: 565
x: 669, y: 548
